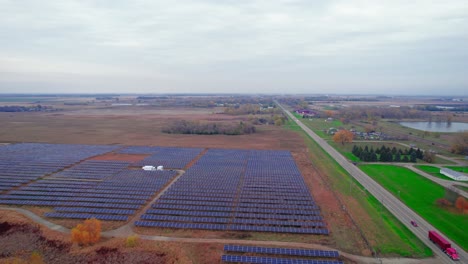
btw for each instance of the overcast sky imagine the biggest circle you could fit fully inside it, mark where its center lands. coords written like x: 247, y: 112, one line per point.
x: 234, y: 46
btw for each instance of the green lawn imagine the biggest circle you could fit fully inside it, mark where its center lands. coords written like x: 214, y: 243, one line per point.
x: 463, y: 169
x: 395, y: 238
x: 464, y: 188
x: 420, y: 194
x: 320, y: 125
x: 434, y: 171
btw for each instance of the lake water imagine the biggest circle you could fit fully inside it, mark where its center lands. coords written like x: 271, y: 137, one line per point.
x: 437, y: 126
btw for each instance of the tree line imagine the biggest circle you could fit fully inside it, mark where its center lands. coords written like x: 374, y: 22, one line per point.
x: 387, y: 154
x: 17, y: 108
x: 376, y: 113
x: 211, y: 128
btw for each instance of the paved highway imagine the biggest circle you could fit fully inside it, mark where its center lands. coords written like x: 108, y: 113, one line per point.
x: 395, y: 206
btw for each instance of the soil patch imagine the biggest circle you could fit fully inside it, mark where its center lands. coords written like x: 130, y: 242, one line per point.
x: 121, y: 157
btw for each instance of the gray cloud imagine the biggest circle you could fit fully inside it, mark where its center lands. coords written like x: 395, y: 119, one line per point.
x: 246, y: 46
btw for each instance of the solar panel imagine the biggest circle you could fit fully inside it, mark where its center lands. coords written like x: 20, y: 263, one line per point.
x: 269, y: 260
x: 88, y: 216
x: 282, y: 251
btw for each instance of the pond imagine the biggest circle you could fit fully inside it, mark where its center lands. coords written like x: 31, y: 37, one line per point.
x: 437, y: 126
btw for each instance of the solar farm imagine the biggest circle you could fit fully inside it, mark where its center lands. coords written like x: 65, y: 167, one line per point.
x: 211, y: 189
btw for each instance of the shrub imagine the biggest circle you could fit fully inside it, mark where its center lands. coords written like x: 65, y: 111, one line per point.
x: 132, y: 241
x: 87, y: 233
x: 36, y: 258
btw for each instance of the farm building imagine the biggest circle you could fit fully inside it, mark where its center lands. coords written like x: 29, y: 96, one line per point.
x: 458, y: 176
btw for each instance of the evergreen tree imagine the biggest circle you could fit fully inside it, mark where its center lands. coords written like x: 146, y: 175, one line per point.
x: 354, y: 150
x: 394, y: 151
x: 363, y: 156
x: 397, y: 157
x: 383, y: 149
x: 383, y: 156
x: 358, y: 151
x: 377, y: 151
x: 372, y: 150
x: 366, y: 149
x: 419, y: 154
x: 405, y: 159
x: 413, y: 156
x: 373, y: 157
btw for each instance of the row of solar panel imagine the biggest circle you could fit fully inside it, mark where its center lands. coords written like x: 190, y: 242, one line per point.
x: 313, y: 222
x: 102, y: 186
x: 283, y: 251
x: 225, y: 220
x: 85, y: 190
x: 64, y: 203
x: 102, y: 195
x: 275, y: 229
x: 197, y: 198
x: 231, y: 227
x: 88, y: 216
x: 269, y: 260
x: 173, y: 218
x: 233, y: 209
x: 94, y: 210
x: 230, y: 214
x: 72, y: 199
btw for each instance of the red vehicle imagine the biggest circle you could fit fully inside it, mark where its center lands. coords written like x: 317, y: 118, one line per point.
x: 443, y: 244
x: 414, y: 223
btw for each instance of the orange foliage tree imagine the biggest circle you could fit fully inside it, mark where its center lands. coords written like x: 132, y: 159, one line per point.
x: 343, y: 136
x: 461, y: 203
x: 87, y: 233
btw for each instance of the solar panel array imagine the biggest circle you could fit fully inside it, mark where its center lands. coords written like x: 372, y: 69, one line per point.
x: 116, y: 197
x: 169, y: 157
x: 304, y: 256
x: 240, y: 190
x: 93, y: 169
x: 25, y: 162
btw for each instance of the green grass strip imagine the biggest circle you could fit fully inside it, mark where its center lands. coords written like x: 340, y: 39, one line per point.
x: 420, y: 194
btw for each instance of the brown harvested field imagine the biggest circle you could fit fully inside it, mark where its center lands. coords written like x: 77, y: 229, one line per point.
x: 143, y: 127
x: 132, y: 129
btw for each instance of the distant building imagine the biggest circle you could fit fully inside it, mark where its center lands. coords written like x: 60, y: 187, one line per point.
x: 458, y: 176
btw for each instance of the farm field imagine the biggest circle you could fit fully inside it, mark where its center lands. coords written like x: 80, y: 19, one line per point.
x: 420, y: 194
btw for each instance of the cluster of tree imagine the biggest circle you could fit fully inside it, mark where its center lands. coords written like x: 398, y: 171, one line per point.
x: 16, y: 108
x: 87, y: 233
x: 253, y: 109
x: 460, y: 143
x: 460, y: 203
x: 212, y: 128
x: 151, y: 97
x: 343, y: 136
x: 375, y: 113
x: 385, y: 154
x: 278, y: 120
